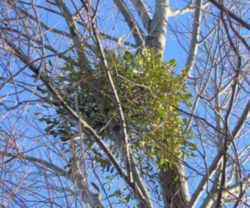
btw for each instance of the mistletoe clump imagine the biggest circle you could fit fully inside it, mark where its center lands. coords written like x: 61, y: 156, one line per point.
x: 149, y: 94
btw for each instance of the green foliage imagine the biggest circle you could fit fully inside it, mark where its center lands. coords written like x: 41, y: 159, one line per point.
x: 149, y: 93
x: 153, y: 92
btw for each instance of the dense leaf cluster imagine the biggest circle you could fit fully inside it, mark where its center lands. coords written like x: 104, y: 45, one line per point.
x: 149, y: 93
x: 154, y: 92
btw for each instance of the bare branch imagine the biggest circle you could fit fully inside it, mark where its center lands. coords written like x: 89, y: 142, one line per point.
x: 46, y: 27
x: 74, y: 33
x: 217, y: 160
x: 158, y: 27
x: 242, y: 120
x: 61, y: 101
x: 187, y: 9
x: 193, y: 48
x: 23, y: 156
x: 232, y: 15
x: 142, y: 12
x: 88, y: 196
x: 130, y: 20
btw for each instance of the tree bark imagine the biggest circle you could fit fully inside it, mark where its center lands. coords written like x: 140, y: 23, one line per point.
x: 174, y: 191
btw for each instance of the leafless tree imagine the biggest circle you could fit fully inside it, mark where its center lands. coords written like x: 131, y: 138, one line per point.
x: 37, y: 38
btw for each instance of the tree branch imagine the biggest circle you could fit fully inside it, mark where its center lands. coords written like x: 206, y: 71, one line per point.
x: 25, y: 59
x: 232, y: 15
x: 130, y: 20
x: 88, y: 196
x: 158, y: 27
x: 229, y: 194
x: 214, y: 165
x: 50, y: 166
x: 142, y: 193
x: 142, y: 12
x: 242, y: 121
x: 193, y: 48
x: 88, y: 129
x: 210, y: 198
x: 187, y: 9
x: 74, y: 33
x: 42, y: 23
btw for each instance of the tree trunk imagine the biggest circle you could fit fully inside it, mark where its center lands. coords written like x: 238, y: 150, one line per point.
x: 173, y: 190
